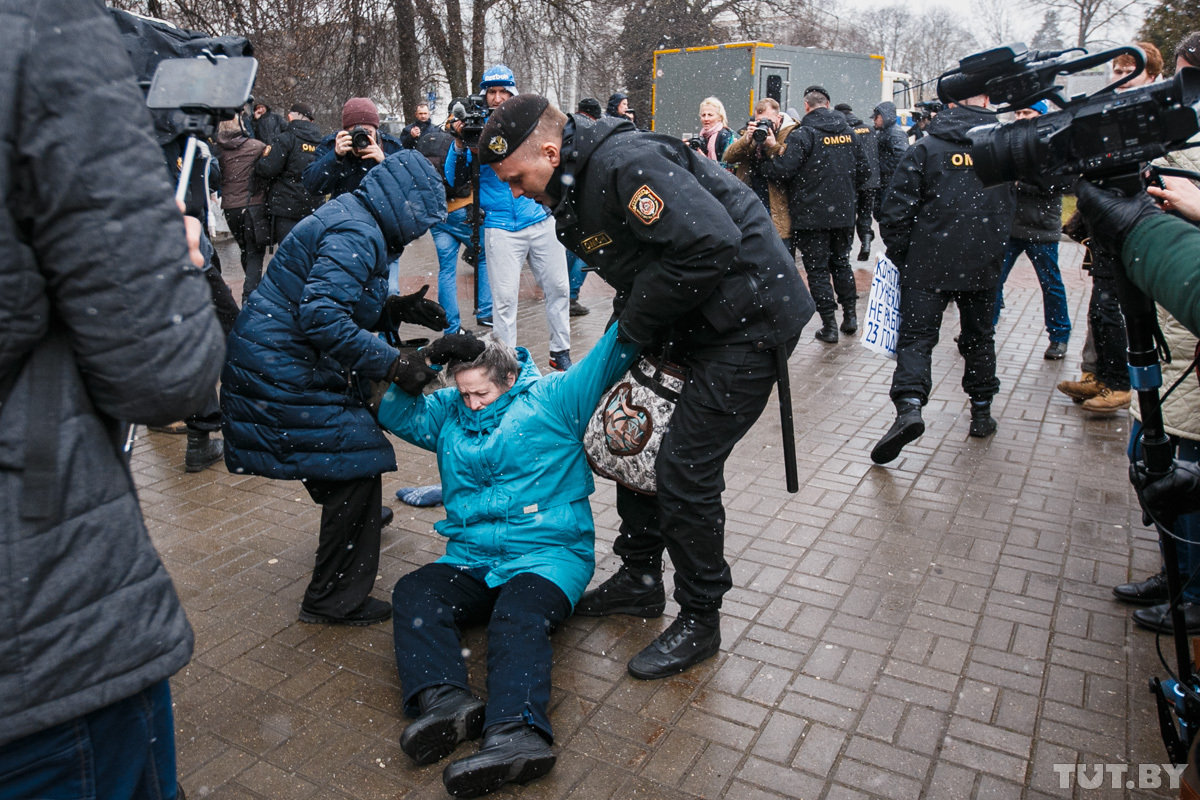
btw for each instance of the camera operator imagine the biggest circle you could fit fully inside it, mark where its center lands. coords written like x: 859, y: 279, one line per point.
x: 344, y: 157
x: 824, y: 166
x: 516, y: 228
x: 103, y: 318
x: 746, y: 154
x: 946, y: 235
x: 864, y: 207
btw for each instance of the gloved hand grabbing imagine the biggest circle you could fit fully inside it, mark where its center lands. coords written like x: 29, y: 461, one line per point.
x: 416, y: 309
x: 1171, y: 495
x: 454, y: 347
x: 1110, y: 216
x: 410, y: 374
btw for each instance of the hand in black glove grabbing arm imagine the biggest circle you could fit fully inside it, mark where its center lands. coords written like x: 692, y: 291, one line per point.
x: 416, y: 309
x: 410, y: 374
x: 455, y: 347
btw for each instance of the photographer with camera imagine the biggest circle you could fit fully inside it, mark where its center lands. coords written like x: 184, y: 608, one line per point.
x: 747, y: 153
x: 104, y: 319
x: 345, y: 157
x: 864, y: 206
x: 715, y: 134
x: 824, y: 166
x: 515, y: 228
x: 946, y: 235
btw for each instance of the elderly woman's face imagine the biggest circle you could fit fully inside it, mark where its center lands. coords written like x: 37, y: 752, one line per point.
x: 708, y: 114
x: 478, y: 390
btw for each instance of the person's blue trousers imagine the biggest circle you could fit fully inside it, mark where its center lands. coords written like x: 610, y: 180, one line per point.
x: 447, y: 237
x: 575, y: 274
x: 124, y: 751
x: 1044, y: 256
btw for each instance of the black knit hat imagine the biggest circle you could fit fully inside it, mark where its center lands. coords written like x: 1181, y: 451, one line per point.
x: 509, y: 125
x: 591, y: 107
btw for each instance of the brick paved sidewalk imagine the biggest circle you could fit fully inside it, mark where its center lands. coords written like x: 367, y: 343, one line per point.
x: 941, y: 627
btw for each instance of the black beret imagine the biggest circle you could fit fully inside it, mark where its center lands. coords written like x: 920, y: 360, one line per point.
x: 509, y: 125
x: 843, y: 107
x: 300, y: 107
x: 820, y: 89
x: 591, y: 107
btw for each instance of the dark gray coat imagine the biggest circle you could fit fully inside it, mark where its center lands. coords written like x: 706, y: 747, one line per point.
x: 89, y: 237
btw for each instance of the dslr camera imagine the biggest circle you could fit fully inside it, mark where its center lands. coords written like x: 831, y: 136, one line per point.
x: 696, y: 143
x: 1105, y: 137
x: 360, y: 138
x: 472, y: 111
x: 761, y: 128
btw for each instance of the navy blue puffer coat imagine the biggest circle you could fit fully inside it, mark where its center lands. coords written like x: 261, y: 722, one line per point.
x: 299, y: 358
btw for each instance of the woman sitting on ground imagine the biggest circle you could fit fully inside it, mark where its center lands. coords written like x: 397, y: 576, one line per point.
x: 520, y: 550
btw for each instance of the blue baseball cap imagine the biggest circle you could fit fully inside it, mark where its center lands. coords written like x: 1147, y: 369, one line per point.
x: 1041, y: 106
x: 499, y: 75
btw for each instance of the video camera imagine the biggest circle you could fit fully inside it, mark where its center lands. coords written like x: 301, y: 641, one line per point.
x: 1105, y: 137
x: 472, y: 111
x: 928, y: 109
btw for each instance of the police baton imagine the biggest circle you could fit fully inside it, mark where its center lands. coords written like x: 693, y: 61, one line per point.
x: 785, y: 420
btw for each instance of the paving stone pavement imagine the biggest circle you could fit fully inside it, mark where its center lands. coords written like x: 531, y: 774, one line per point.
x: 941, y: 627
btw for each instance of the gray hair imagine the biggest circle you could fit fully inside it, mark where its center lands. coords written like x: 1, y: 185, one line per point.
x: 498, y: 360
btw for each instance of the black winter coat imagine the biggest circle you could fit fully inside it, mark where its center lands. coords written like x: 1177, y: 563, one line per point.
x: 942, y: 228
x: 690, y: 249
x: 892, y: 142
x: 1039, y: 214
x: 283, y: 164
x: 407, y: 140
x: 91, y: 245
x: 866, y: 136
x: 826, y: 166
x: 268, y: 127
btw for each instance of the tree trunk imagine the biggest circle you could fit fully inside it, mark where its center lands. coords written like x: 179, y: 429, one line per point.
x: 478, y: 34
x: 412, y: 83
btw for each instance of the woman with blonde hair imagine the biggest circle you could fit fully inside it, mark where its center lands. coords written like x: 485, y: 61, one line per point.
x: 715, y: 134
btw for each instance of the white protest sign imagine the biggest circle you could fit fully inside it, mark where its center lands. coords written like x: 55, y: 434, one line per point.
x: 881, y: 328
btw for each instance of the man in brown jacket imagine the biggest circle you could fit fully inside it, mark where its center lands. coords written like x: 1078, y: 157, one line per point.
x: 746, y: 154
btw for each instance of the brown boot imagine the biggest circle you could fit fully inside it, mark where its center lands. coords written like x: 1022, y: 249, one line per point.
x: 1108, y: 401
x: 1083, y: 389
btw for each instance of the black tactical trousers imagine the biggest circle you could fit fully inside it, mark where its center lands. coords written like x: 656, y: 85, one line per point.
x: 723, y: 396
x: 920, y: 322
x: 1108, y: 331
x: 826, y: 256
x: 864, y: 210
x: 348, y: 548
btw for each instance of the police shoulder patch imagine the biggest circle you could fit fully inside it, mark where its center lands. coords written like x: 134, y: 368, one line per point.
x: 646, y: 205
x: 498, y: 145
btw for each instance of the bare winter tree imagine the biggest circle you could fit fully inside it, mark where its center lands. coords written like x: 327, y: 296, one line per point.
x: 1095, y: 22
x: 923, y: 45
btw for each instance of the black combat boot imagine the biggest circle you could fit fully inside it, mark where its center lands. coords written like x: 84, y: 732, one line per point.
x: 202, y: 450
x: 689, y: 640
x: 511, y: 752
x: 864, y: 252
x: 982, y: 424
x: 829, y: 330
x: 631, y: 591
x: 907, y: 427
x: 849, y: 320
x: 449, y: 715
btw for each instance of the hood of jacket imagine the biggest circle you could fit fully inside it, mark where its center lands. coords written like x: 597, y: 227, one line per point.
x: 614, y: 102
x: 305, y: 130
x: 851, y: 120
x: 887, y: 110
x: 486, y: 419
x: 405, y: 195
x: 231, y: 140
x: 825, y: 120
x: 952, y: 124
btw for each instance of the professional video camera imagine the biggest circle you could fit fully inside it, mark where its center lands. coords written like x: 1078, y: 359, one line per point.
x: 762, y: 127
x: 472, y: 111
x: 1105, y: 137
x: 930, y: 108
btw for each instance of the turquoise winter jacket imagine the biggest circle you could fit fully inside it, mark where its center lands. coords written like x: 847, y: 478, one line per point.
x: 515, y: 480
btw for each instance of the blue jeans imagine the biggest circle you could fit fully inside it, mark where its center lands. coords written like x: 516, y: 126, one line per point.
x: 124, y: 751
x: 1187, y: 527
x: 447, y: 237
x: 575, y: 274
x: 1044, y: 256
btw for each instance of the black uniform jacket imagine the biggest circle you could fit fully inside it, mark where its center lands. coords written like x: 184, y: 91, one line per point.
x: 826, y: 166
x: 690, y: 249
x: 865, y: 133
x: 942, y: 228
x: 284, y: 163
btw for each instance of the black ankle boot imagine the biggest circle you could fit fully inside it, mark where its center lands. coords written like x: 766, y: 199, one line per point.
x: 202, y: 450
x: 689, y: 640
x: 982, y: 424
x: 829, y: 330
x: 864, y: 252
x: 633, y: 592
x: 907, y: 427
x: 449, y: 715
x: 511, y: 752
x: 849, y: 320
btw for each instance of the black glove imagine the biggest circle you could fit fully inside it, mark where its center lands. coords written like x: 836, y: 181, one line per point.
x: 410, y: 374
x: 416, y: 309
x: 1111, y: 216
x: 1171, y: 495
x: 455, y: 347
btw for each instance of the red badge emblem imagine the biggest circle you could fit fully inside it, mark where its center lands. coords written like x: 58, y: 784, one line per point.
x: 646, y: 205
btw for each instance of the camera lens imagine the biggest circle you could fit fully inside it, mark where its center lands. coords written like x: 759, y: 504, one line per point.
x: 1005, y: 153
x: 360, y: 138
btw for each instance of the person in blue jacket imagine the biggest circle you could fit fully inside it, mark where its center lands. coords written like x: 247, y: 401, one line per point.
x: 300, y: 358
x: 519, y: 552
x: 339, y: 167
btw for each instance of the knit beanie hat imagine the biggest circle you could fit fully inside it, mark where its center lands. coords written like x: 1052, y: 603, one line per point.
x: 359, y: 111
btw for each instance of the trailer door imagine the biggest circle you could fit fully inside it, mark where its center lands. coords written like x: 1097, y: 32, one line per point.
x: 774, y: 82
